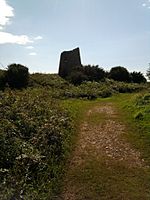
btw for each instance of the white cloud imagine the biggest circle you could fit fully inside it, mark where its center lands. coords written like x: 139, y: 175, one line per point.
x: 38, y: 38
x: 6, y: 12
x: 8, y: 38
x: 144, y: 4
x: 29, y: 47
x: 32, y: 54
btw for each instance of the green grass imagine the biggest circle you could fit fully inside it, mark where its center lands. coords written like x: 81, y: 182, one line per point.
x: 77, y: 109
x: 114, y: 181
x: 96, y: 118
x: 130, y: 106
x: 99, y: 181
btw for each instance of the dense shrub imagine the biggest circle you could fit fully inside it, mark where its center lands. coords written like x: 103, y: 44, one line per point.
x: 119, y: 74
x: 17, y: 76
x: 2, y: 79
x: 47, y: 80
x: 34, y: 137
x: 137, y: 77
x: 122, y: 87
x: 88, y: 90
x: 77, y: 77
x: 60, y: 88
x: 94, y: 73
x: 148, y: 73
x: 80, y: 74
x: 143, y: 99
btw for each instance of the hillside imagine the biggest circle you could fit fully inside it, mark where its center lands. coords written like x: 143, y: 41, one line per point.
x: 41, y: 127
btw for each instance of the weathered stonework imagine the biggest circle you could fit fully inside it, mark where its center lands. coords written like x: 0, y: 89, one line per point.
x: 69, y: 60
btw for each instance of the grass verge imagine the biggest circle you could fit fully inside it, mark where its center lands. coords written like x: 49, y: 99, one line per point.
x: 105, y: 178
x: 134, y: 111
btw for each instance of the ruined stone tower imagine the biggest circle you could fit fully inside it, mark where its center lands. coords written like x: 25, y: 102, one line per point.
x: 69, y: 60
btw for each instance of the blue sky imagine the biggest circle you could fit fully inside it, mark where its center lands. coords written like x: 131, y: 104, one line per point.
x: 109, y: 33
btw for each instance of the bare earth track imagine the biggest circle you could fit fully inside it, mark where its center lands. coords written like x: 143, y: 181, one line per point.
x: 101, y: 141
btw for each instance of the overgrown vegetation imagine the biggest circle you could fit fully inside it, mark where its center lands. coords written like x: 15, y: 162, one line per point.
x: 36, y: 128
x: 61, y: 89
x: 16, y: 77
x: 86, y: 73
x: 119, y: 74
x: 137, y: 116
x: 80, y: 74
x: 35, y: 133
x: 148, y: 73
x: 2, y: 79
x: 137, y: 77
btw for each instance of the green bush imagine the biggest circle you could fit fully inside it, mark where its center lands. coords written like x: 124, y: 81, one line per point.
x: 77, y: 77
x: 122, y: 87
x: 50, y: 81
x: 35, y: 133
x: 17, y: 76
x: 148, y: 73
x: 94, y: 73
x: 137, y: 77
x: 119, y: 74
x: 60, y: 88
x: 138, y: 116
x: 143, y: 100
x: 2, y: 79
x: 80, y: 74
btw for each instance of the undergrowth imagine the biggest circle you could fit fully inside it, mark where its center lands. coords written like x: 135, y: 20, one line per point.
x: 60, y: 88
x: 135, y: 111
x: 38, y: 130
x: 35, y: 132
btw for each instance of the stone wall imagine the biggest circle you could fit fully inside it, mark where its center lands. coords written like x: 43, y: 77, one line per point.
x: 69, y: 60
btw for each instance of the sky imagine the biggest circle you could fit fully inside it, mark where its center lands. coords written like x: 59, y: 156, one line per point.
x: 108, y: 32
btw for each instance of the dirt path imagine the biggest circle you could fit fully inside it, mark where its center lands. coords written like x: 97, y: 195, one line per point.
x: 103, y: 164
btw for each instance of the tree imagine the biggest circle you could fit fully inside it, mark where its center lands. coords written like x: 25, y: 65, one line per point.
x: 94, y: 73
x: 148, y: 73
x: 137, y: 77
x: 119, y: 74
x: 86, y: 73
x: 17, y: 76
x: 77, y: 77
x: 2, y: 79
